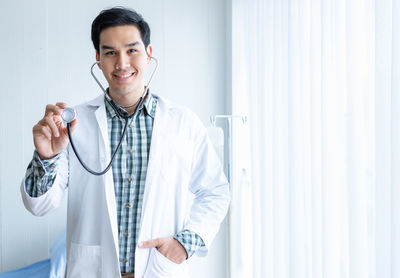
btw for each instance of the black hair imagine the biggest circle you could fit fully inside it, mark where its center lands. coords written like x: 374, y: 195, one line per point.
x: 119, y: 16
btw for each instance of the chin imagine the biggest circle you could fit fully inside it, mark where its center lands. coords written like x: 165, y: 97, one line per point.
x: 124, y: 91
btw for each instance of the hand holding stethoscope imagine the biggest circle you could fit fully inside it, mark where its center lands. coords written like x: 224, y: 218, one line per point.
x: 50, y: 137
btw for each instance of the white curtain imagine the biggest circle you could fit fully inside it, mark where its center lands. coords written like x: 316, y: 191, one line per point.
x: 316, y: 169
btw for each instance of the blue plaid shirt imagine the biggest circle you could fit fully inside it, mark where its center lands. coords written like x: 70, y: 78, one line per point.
x: 129, y: 173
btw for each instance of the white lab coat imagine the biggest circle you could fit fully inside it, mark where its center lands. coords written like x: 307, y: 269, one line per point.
x: 182, y: 164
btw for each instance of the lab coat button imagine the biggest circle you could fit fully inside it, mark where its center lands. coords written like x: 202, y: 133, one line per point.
x: 52, y: 167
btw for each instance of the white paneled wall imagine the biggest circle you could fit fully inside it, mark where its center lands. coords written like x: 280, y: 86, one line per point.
x: 45, y: 56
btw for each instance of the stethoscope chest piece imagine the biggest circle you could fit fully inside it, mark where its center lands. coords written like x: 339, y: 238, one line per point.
x: 68, y: 115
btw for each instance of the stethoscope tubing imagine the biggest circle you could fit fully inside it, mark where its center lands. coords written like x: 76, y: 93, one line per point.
x: 84, y: 165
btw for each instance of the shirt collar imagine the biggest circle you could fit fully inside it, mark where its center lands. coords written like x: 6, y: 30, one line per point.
x: 148, y: 106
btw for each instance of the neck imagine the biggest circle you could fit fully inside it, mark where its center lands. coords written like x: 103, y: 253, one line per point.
x: 128, y: 101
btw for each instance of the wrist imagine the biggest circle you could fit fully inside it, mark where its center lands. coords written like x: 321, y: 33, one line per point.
x: 44, y: 157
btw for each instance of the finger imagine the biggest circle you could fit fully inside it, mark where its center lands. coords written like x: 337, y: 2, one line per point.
x: 53, y: 127
x: 42, y: 130
x: 50, y: 108
x: 62, y: 105
x: 73, y: 126
x: 47, y: 132
x: 149, y: 244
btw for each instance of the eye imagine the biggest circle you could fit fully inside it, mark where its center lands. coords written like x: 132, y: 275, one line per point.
x: 109, y: 53
x: 132, y: 50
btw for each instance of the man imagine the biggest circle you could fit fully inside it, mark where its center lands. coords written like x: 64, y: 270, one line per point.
x: 165, y: 196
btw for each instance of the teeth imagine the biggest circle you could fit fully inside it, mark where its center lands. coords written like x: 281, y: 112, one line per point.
x: 124, y: 76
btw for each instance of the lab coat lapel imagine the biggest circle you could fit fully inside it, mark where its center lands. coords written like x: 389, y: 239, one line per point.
x: 101, y: 118
x: 148, y: 206
x: 157, y: 149
x: 105, y: 156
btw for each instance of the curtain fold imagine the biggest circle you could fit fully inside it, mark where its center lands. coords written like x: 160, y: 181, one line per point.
x: 319, y: 82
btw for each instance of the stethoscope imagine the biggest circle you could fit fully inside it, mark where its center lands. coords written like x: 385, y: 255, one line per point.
x: 68, y: 115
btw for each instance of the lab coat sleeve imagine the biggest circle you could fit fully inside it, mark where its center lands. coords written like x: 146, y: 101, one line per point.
x: 52, y: 198
x: 211, y: 191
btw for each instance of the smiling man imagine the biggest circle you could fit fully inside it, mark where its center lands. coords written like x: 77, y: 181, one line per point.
x: 166, y: 195
x: 124, y: 58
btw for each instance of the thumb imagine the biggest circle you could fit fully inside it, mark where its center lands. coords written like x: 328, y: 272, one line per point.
x: 150, y: 243
x: 73, y: 124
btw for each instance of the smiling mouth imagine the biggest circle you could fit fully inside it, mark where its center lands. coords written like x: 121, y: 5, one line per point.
x: 123, y: 77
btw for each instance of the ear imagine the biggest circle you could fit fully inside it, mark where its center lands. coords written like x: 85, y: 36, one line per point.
x: 98, y: 59
x: 149, y: 51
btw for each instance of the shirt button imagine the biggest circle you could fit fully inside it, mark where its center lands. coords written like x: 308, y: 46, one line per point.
x: 126, y: 234
x: 128, y: 205
x: 52, y: 167
x: 130, y: 151
x: 129, y: 179
x: 124, y: 261
x: 130, y: 126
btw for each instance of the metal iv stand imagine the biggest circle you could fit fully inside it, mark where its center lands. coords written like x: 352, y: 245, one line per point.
x: 229, y: 119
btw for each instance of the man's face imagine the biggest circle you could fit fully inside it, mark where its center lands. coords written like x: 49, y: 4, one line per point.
x: 123, y: 59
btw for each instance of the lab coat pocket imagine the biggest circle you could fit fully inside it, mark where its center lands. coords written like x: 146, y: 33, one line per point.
x: 84, y: 261
x: 160, y: 267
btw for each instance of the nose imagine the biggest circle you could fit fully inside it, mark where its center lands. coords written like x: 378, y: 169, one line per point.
x: 123, y: 62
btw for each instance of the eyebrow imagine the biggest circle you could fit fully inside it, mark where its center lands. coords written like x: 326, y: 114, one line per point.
x: 104, y: 47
